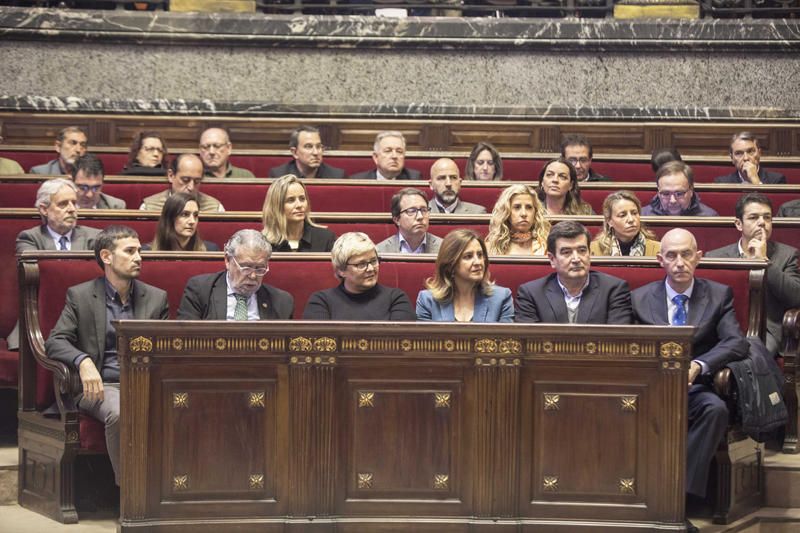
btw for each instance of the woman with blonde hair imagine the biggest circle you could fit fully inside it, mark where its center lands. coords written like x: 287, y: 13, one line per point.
x: 461, y: 289
x: 287, y: 219
x: 559, y: 191
x: 623, y: 231
x: 517, y: 226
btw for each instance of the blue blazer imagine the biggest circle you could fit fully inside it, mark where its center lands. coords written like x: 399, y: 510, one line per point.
x: 499, y: 307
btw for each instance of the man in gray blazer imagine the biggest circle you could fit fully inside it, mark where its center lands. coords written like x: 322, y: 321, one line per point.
x: 238, y: 292
x: 446, y: 186
x: 410, y: 213
x: 84, y: 337
x: 573, y: 294
x: 754, y: 221
x: 88, y: 174
x: 71, y: 143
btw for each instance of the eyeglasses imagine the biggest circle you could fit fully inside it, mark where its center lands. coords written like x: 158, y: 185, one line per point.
x: 575, y: 160
x: 214, y: 146
x: 363, y: 265
x: 246, y: 270
x: 414, y: 211
x: 87, y: 188
x: 665, y: 195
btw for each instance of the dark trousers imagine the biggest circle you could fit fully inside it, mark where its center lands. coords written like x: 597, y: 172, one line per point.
x: 708, y: 420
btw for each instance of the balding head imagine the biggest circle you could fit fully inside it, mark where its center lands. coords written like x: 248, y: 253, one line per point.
x: 445, y: 181
x: 679, y: 257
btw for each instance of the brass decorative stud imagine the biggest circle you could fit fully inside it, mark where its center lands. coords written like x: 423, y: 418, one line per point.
x: 551, y: 402
x: 141, y: 344
x: 256, y: 481
x: 671, y: 349
x: 220, y: 344
x: 441, y: 481
x: 177, y: 344
x: 510, y: 346
x: 634, y: 348
x: 591, y: 347
x: 365, y: 480
x: 180, y: 400
x: 442, y: 399
x: 365, y: 399
x: 256, y: 399
x: 550, y: 483
x: 300, y: 344
x: 180, y: 482
x: 627, y: 485
x: 325, y: 344
x: 406, y: 345
x: 486, y: 346
x: 628, y: 403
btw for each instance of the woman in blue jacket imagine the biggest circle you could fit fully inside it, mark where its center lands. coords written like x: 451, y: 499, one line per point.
x: 460, y: 289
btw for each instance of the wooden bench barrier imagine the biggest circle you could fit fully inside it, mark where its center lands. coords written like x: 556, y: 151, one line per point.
x: 49, y: 446
x: 374, y: 196
x: 515, y: 168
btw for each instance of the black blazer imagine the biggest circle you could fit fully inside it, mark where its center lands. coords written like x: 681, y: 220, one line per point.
x: 406, y: 174
x: 324, y: 171
x: 206, y: 298
x: 313, y: 240
x: 765, y: 176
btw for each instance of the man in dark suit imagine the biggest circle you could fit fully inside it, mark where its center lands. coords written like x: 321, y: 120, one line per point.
x: 573, y: 294
x: 389, y: 155
x: 577, y: 149
x: 88, y: 174
x: 446, y: 186
x: 746, y: 157
x: 307, y: 149
x: 57, y: 202
x: 237, y: 293
x: 683, y: 299
x: 754, y: 221
x: 84, y: 337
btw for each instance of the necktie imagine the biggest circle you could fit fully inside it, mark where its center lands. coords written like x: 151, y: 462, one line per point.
x: 679, y: 319
x: 62, y: 242
x: 240, y: 312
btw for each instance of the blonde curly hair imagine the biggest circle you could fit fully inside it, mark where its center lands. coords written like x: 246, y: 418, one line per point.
x: 499, y: 239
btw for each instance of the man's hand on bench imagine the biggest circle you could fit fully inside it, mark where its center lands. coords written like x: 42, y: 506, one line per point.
x: 92, y: 382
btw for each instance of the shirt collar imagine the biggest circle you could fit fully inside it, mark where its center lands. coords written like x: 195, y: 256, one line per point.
x: 566, y: 291
x: 419, y: 250
x: 671, y: 293
x: 446, y: 209
x: 113, y: 295
x: 57, y: 236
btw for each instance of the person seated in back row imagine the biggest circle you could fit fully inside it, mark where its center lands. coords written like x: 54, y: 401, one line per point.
x: 461, y: 289
x: 411, y: 215
x: 676, y: 196
x: 88, y: 175
x: 215, y: 150
x: 305, y: 145
x: 559, y: 191
x: 177, y: 227
x: 577, y: 149
x: 148, y: 155
x: 71, y: 143
x: 184, y: 175
x: 358, y: 296
x: 239, y: 291
x: 287, y: 219
x: 573, y: 294
x: 746, y: 158
x: 389, y: 155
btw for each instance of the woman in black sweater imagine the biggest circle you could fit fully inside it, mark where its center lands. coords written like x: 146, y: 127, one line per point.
x: 359, y: 296
x: 287, y: 219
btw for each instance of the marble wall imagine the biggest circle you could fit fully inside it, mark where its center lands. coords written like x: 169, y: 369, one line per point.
x: 156, y: 63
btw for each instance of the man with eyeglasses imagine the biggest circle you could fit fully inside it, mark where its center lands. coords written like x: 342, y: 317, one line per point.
x: 410, y: 213
x: 307, y: 150
x: 71, y: 143
x: 746, y: 157
x: 184, y: 175
x: 358, y: 296
x: 676, y: 196
x: 577, y: 149
x: 238, y: 292
x: 88, y: 174
x: 389, y: 156
x: 215, y: 149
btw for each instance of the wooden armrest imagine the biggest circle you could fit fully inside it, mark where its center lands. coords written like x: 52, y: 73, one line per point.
x: 722, y: 383
x: 791, y: 332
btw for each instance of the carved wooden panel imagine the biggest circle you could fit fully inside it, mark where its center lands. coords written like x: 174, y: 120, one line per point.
x: 236, y: 460
x: 390, y: 460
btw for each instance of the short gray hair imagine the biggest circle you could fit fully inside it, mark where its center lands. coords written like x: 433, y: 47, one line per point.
x: 384, y: 134
x: 50, y: 187
x: 743, y: 136
x: 348, y: 245
x: 248, y: 238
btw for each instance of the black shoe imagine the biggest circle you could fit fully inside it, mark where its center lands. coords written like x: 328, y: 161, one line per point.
x: 691, y: 528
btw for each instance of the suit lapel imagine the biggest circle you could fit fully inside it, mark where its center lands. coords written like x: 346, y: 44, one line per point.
x: 99, y: 304
x: 555, y: 297
x: 698, y: 303
x: 658, y: 304
x: 588, y: 300
x: 481, y: 307
x: 47, y: 241
x: 219, y: 299
x: 264, y: 303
